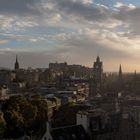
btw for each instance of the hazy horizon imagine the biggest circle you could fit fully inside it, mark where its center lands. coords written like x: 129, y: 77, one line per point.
x: 12, y: 66
x: 75, y: 31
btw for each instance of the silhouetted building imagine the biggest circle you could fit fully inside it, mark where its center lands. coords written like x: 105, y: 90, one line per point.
x: 120, y: 74
x: 16, y: 64
x: 120, y: 80
x: 96, y: 80
x: 98, y: 72
x: 135, y: 75
x: 102, y: 125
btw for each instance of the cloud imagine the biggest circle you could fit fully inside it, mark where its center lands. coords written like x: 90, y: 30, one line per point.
x: 120, y: 5
x: 80, y: 10
x: 91, y: 41
x: 14, y: 24
x: 16, y: 7
x: 3, y: 41
x: 84, y: 45
x: 130, y: 17
x: 72, y: 30
x: 124, y: 16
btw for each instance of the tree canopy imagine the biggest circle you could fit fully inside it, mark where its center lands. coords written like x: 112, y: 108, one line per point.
x: 22, y: 115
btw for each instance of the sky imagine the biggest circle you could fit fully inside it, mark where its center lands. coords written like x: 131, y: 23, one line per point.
x: 75, y: 31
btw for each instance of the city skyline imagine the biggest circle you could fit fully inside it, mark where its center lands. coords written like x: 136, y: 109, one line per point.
x: 17, y: 65
x: 76, y: 31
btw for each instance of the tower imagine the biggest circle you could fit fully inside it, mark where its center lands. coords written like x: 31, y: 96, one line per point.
x: 120, y: 74
x: 96, y: 81
x: 120, y: 79
x: 98, y: 74
x: 16, y: 63
x: 134, y: 81
x: 135, y: 75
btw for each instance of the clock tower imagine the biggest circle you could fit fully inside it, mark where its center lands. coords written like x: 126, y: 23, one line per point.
x: 98, y: 74
x: 96, y: 81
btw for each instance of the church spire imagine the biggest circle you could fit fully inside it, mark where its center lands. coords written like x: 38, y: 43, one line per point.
x: 120, y: 79
x: 16, y: 58
x: 120, y: 72
x: 135, y: 75
x: 16, y: 63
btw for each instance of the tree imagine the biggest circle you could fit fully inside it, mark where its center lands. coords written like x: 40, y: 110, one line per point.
x: 19, y: 114
x: 24, y: 115
x: 15, y: 124
x: 42, y: 113
x: 2, y: 125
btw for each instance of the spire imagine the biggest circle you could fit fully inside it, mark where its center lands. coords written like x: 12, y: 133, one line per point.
x: 120, y: 70
x: 135, y: 75
x: 120, y: 83
x: 16, y: 63
x: 120, y: 73
x: 16, y: 59
x: 98, y: 59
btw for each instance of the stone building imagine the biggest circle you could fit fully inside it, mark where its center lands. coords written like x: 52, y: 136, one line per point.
x: 95, y: 84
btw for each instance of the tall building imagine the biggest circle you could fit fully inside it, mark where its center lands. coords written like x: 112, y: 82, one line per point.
x: 135, y: 75
x: 16, y: 63
x: 120, y: 74
x: 120, y: 80
x: 96, y: 80
x: 98, y: 71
